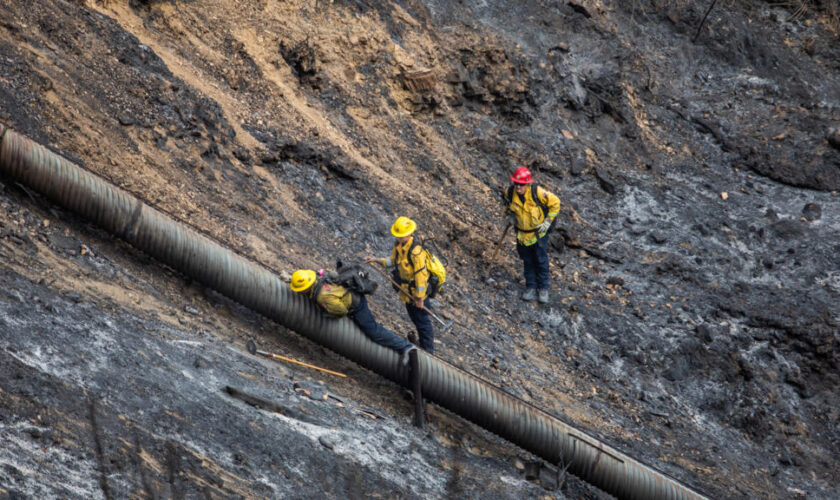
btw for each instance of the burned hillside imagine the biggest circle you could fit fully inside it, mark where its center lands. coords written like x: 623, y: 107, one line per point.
x: 692, y: 322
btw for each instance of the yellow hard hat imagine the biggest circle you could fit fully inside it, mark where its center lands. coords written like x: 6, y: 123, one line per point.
x: 302, y: 279
x: 403, y: 226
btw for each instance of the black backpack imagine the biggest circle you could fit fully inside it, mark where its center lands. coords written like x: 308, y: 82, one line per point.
x: 354, y: 277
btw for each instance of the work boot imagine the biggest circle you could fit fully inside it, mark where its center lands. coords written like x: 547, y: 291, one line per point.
x: 529, y: 294
x: 543, y: 296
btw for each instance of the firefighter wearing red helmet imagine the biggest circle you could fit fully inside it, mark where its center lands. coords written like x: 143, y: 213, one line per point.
x: 532, y: 209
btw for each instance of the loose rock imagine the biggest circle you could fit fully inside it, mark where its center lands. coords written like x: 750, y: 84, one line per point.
x: 812, y: 212
x: 834, y: 137
x: 326, y: 442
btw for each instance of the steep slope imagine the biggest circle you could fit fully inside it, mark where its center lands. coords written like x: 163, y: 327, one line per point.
x: 691, y: 328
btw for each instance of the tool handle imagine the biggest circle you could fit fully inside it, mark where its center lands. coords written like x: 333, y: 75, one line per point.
x: 442, y: 322
x: 290, y: 360
x: 373, y: 264
x: 499, y: 243
x: 383, y: 273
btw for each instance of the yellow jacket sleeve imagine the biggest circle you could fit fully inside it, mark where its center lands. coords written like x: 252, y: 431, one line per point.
x: 551, y: 200
x: 421, y: 274
x: 390, y: 260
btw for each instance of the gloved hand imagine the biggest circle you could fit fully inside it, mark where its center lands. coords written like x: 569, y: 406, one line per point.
x: 511, y: 217
x: 543, y: 227
x: 381, y: 261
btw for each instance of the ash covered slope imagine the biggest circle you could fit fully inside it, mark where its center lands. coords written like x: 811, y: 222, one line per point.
x: 694, y: 330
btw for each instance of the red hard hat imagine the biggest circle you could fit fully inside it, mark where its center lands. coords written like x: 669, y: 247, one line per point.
x: 522, y: 176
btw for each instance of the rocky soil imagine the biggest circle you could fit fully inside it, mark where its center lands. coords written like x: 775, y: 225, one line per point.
x: 693, y: 323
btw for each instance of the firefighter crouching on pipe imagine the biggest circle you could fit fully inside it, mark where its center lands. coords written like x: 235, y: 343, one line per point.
x: 531, y: 209
x: 408, y: 259
x: 338, y: 301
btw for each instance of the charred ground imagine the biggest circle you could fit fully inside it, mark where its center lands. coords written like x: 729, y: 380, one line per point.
x: 693, y: 321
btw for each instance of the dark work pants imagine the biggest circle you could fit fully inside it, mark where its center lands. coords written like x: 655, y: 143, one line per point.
x: 423, y: 323
x: 535, y: 263
x: 376, y: 332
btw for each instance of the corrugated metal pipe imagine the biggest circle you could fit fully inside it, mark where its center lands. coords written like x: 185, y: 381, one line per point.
x: 252, y: 285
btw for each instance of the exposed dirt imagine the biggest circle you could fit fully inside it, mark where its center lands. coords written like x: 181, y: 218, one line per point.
x: 693, y: 321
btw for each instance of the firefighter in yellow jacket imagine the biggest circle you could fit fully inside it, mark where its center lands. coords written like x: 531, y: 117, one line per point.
x: 532, y: 209
x: 411, y: 273
x: 338, y: 301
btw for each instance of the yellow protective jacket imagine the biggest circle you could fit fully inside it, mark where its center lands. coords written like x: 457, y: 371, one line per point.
x: 529, y: 214
x: 332, y: 298
x: 414, y: 277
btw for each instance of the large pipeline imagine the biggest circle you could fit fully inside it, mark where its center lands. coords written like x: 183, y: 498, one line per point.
x: 241, y: 280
